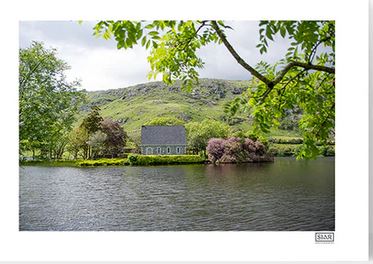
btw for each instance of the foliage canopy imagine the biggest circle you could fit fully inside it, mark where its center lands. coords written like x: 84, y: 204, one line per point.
x: 304, y: 78
x: 98, y: 137
x: 47, y: 101
x: 199, y: 133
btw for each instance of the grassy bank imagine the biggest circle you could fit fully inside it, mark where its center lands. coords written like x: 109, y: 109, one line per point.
x: 49, y: 163
x: 287, y: 146
x: 103, y: 162
x: 278, y: 146
x: 133, y: 160
x: 144, y: 160
x: 75, y: 163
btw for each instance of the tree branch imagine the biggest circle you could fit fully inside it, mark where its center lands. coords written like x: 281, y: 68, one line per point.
x: 203, y: 23
x: 270, y: 83
x: 306, y: 66
x: 283, y: 88
x: 238, y: 57
x: 182, y: 45
x: 314, y: 49
x: 255, y: 73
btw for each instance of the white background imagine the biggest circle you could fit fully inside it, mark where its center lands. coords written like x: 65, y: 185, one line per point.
x: 351, y: 236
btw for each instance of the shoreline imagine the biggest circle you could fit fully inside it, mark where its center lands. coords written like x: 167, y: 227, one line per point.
x: 121, y: 162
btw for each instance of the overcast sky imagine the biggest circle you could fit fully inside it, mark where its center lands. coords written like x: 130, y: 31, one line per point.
x: 100, y: 66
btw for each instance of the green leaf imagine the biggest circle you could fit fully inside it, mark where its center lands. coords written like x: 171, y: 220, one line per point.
x: 153, y: 33
x: 221, y: 23
x: 269, y: 33
x: 149, y: 26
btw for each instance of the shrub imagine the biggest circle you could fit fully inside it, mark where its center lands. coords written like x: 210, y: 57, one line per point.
x: 50, y: 163
x: 286, y: 140
x: 235, y: 149
x: 257, y: 137
x: 328, y: 150
x: 215, y: 149
x: 115, y: 138
x: 137, y: 160
x: 103, y: 162
x: 260, y: 148
x: 199, y: 133
x: 284, y: 150
x: 249, y: 145
x: 239, y: 133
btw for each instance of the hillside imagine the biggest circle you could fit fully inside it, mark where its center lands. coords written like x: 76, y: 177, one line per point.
x: 135, y: 105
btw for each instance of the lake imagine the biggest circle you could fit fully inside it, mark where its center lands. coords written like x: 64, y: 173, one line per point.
x: 284, y: 195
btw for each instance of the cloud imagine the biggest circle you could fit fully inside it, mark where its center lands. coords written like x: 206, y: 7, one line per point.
x: 104, y: 68
x: 69, y: 32
x: 100, y: 65
x: 96, y: 62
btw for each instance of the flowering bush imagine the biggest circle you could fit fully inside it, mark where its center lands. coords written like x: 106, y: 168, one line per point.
x: 215, y: 149
x: 233, y: 150
x: 249, y: 145
x: 260, y: 149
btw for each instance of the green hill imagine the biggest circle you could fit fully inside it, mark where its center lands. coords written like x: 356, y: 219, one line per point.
x: 135, y: 105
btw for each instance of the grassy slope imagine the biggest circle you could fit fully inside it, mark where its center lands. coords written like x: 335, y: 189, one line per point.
x: 134, y: 106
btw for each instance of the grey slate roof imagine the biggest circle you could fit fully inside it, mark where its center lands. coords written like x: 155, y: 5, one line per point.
x: 163, y: 135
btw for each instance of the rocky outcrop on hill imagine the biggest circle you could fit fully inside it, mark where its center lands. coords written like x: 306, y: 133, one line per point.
x: 207, y: 89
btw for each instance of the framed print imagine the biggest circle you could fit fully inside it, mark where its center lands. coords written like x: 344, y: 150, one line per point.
x: 200, y: 132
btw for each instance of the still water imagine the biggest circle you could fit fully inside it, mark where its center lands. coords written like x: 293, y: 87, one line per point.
x: 284, y: 195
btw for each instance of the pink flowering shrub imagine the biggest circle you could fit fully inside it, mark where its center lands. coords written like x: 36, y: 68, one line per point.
x: 233, y: 150
x: 215, y: 149
x: 249, y: 145
x: 260, y: 149
x: 232, y: 146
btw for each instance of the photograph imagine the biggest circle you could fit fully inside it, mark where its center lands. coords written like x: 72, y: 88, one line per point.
x: 177, y: 125
x: 199, y: 131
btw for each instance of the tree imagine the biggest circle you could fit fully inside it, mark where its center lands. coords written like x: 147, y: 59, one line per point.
x: 97, y: 144
x: 47, y: 101
x: 115, y: 138
x: 98, y: 137
x: 304, y: 78
x: 164, y: 121
x: 91, y: 124
x: 199, y: 133
x: 78, y: 139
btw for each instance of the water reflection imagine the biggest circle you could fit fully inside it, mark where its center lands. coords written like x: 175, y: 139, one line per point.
x: 284, y: 195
